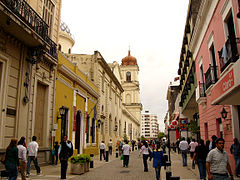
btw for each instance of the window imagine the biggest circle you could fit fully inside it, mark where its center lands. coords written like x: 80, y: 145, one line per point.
x: 93, y: 130
x: 59, y: 47
x: 88, y: 130
x: 213, y: 63
x: 206, y: 130
x: 128, y: 76
x: 103, y: 79
x: 219, y: 128
x: 48, y: 13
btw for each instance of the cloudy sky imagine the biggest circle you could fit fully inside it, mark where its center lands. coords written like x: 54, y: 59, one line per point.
x: 153, y: 29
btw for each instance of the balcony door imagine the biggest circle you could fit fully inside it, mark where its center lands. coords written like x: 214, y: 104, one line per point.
x: 78, y: 132
x: 40, y: 118
x: 213, y: 64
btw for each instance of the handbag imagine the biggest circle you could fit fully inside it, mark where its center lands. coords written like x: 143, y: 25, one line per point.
x: 121, y: 157
x: 3, y: 158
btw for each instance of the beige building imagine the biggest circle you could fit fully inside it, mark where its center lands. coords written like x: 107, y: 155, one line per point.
x: 28, y: 59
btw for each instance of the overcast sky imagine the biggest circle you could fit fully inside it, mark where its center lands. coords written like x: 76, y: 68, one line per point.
x: 153, y: 29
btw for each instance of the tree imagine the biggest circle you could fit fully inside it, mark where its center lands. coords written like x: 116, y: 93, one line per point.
x: 143, y: 138
x: 193, y: 127
x: 161, y: 135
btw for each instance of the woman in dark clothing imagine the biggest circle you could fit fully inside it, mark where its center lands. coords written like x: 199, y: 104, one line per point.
x: 12, y: 162
x: 199, y: 157
x: 157, y: 156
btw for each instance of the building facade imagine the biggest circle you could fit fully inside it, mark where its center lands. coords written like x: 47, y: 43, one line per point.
x: 149, y: 125
x: 215, y: 49
x: 28, y: 60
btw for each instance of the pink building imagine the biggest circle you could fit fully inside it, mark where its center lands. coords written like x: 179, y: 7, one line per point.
x: 215, y: 48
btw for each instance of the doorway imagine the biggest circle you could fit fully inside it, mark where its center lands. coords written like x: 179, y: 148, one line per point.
x: 78, y: 132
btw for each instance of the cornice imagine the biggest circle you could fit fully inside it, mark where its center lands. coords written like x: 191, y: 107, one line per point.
x: 106, y: 67
x: 62, y: 68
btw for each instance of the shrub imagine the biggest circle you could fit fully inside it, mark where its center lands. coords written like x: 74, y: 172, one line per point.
x: 80, y: 159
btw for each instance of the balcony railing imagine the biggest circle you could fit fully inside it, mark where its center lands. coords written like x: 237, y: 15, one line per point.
x: 210, y: 76
x: 228, y: 53
x: 27, y: 14
x: 202, y: 90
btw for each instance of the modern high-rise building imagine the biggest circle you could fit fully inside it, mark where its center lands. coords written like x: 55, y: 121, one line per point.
x: 149, y: 126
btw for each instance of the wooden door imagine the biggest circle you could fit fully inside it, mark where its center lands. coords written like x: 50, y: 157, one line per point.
x: 78, y: 130
x: 40, y: 113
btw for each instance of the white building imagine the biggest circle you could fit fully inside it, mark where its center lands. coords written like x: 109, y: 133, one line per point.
x: 149, y: 126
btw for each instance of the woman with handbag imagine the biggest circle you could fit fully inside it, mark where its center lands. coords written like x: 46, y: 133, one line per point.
x: 11, y: 161
x: 158, y: 158
x: 145, y: 152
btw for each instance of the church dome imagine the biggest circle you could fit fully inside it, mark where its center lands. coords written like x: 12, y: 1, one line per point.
x: 129, y: 60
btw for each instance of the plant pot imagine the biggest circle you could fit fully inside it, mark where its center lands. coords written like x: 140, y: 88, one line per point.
x: 86, y: 166
x: 77, y: 168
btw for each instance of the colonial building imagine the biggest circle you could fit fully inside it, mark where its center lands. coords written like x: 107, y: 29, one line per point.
x: 188, y: 83
x: 131, y: 123
x: 28, y: 59
x: 215, y: 48
x: 109, y: 114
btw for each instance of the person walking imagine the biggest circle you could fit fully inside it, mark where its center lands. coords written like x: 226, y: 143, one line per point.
x: 217, y: 163
x: 56, y: 147
x: 235, y: 150
x: 65, y: 151
x: 183, y: 145
x: 22, y: 156
x: 193, y: 144
x: 120, y: 145
x: 110, y: 145
x: 145, y: 152
x: 212, y: 144
x: 133, y: 144
x: 11, y: 160
x: 32, y: 149
x: 199, y: 158
x: 157, y: 155
x: 102, y: 148
x: 126, y: 149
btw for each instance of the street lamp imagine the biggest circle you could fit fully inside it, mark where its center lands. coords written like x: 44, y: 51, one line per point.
x: 224, y: 113
x: 116, y: 127
x: 62, y: 112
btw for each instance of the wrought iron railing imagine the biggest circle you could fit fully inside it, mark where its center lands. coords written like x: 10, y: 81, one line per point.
x: 228, y: 53
x: 202, y: 90
x: 28, y: 15
x: 211, y: 76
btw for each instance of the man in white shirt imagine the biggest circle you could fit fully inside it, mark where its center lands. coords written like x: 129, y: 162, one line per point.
x: 126, y: 152
x: 102, y: 148
x: 32, y: 155
x: 22, y: 153
x: 110, y: 144
x: 183, y: 145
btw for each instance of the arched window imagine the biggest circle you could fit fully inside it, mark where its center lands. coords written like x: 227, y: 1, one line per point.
x: 128, y: 98
x: 59, y: 47
x: 128, y: 76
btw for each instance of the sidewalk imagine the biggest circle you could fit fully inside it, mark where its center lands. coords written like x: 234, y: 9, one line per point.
x: 54, y: 172
x: 183, y: 172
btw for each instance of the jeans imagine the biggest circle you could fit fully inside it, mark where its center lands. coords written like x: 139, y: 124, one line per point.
x: 219, y: 177
x: 64, y: 165
x: 237, y: 160
x: 102, y: 153
x: 125, y: 160
x: 35, y: 161
x: 184, y: 157
x: 12, y: 170
x: 157, y: 170
x: 110, y: 150
x: 202, y: 168
x: 145, y: 157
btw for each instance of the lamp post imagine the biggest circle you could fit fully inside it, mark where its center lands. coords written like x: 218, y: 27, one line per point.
x: 224, y: 113
x: 62, y: 112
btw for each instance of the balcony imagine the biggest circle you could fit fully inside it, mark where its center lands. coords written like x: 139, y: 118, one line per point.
x: 201, y: 94
x: 210, y: 76
x: 228, y: 53
x: 26, y: 14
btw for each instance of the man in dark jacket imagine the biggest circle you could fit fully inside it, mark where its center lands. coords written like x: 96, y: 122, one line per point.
x: 65, y: 151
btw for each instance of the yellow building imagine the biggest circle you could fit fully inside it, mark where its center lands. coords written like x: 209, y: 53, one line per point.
x: 75, y: 107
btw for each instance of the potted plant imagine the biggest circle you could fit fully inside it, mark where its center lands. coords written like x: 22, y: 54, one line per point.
x: 77, y: 164
x: 87, y: 162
